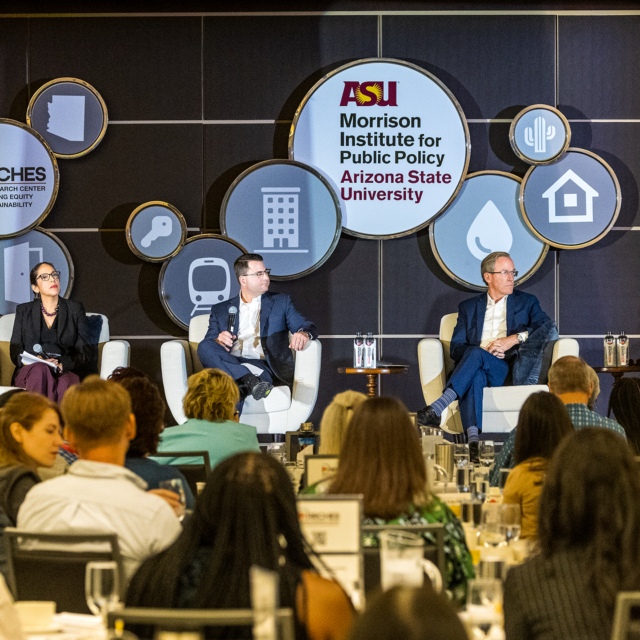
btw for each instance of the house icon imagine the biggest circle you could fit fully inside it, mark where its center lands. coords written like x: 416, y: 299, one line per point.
x: 563, y: 196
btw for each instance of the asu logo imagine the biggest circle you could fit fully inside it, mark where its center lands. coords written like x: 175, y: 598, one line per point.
x: 366, y: 94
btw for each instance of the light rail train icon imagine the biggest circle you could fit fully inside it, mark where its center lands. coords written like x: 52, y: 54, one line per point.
x: 204, y: 300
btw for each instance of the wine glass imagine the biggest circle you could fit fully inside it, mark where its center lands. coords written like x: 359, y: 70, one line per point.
x: 512, y: 520
x: 175, y: 485
x: 102, y: 587
x: 484, y: 604
x: 492, y: 532
x: 461, y: 454
x: 486, y: 453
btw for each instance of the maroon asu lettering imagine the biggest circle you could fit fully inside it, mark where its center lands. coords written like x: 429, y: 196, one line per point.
x: 367, y: 94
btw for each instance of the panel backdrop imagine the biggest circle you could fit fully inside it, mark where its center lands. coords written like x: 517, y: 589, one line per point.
x: 195, y: 100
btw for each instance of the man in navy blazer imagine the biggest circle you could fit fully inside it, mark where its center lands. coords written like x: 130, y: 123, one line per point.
x: 256, y: 351
x: 485, y: 343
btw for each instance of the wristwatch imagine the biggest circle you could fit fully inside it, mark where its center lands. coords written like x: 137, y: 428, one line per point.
x: 520, y: 338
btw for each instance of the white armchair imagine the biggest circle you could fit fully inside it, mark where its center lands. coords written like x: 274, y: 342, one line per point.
x: 111, y: 353
x: 279, y: 412
x: 500, y: 405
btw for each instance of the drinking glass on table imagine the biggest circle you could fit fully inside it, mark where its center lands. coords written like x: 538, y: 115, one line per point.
x: 484, y: 604
x: 492, y: 531
x: 175, y: 485
x: 102, y: 587
x: 278, y: 450
x: 461, y: 454
x: 512, y: 520
x: 486, y: 453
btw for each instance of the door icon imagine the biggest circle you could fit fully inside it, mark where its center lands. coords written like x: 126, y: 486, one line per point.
x: 17, y: 287
x: 204, y: 300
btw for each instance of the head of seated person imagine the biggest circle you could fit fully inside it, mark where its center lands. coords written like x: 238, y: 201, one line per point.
x: 381, y: 458
x: 336, y: 418
x: 595, y: 391
x: 30, y: 431
x: 211, y: 395
x: 409, y: 613
x: 99, y: 420
x: 589, y: 504
x: 569, y: 379
x: 624, y: 401
x: 125, y: 373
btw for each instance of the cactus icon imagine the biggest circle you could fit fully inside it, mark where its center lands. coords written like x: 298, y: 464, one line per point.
x: 539, y: 135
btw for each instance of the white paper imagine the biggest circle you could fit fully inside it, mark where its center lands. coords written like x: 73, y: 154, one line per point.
x: 28, y: 358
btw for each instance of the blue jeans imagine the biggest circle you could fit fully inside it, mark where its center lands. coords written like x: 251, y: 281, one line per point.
x: 477, y: 369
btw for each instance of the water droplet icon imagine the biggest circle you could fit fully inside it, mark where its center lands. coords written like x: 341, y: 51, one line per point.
x: 489, y: 232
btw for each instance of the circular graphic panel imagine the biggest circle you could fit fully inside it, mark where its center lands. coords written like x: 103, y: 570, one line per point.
x: 19, y: 255
x: 156, y: 231
x: 29, y: 178
x: 572, y: 203
x: 285, y: 211
x: 485, y: 217
x: 198, y: 277
x: 391, y: 140
x: 70, y: 115
x: 540, y: 134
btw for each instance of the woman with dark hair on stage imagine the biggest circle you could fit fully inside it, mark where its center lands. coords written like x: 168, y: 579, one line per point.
x: 58, y: 329
x: 588, y: 532
x: 245, y: 517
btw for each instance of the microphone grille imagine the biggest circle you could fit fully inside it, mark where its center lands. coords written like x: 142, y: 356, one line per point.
x: 233, y: 310
x: 37, y: 348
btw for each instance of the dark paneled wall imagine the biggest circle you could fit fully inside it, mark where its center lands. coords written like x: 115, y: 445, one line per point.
x: 195, y: 100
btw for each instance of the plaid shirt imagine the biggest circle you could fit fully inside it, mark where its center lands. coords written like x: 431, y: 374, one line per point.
x: 580, y: 417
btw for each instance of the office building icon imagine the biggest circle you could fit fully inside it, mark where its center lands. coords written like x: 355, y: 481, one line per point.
x: 280, y: 217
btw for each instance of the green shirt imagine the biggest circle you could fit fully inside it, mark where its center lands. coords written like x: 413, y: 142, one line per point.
x: 220, y: 439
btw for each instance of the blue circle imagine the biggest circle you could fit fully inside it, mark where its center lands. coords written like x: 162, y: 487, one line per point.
x: 19, y: 255
x: 286, y: 213
x: 485, y: 217
x: 540, y: 135
x: 159, y: 228
x: 573, y: 202
x: 198, y: 277
x: 69, y: 116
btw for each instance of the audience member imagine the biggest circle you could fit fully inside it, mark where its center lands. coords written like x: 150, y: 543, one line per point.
x: 588, y: 532
x: 410, y: 614
x: 148, y: 407
x: 624, y: 401
x: 212, y: 421
x: 595, y: 392
x: 98, y: 494
x: 569, y: 379
x: 336, y: 418
x: 30, y: 434
x: 542, y: 424
x: 246, y: 516
x: 381, y: 458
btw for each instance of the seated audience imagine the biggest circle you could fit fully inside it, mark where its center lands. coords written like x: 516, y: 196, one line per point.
x: 381, y: 458
x: 212, y: 422
x: 335, y: 420
x: 98, y: 494
x: 410, y: 614
x: 588, y: 532
x: 148, y: 407
x: 624, y: 401
x: 577, y: 385
x: 30, y: 434
x: 542, y: 424
x: 246, y: 517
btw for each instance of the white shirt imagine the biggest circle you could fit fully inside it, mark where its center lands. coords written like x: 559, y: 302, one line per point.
x: 102, y: 498
x: 495, y: 321
x: 247, y: 343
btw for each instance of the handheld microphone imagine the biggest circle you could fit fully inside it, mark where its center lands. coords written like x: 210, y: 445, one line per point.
x: 232, y: 318
x: 40, y: 351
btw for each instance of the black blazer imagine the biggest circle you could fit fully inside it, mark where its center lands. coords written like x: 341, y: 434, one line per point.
x: 73, y: 335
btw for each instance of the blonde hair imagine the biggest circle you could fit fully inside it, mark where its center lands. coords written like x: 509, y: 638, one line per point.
x: 335, y: 420
x: 26, y: 409
x: 96, y: 410
x: 595, y: 381
x: 211, y: 395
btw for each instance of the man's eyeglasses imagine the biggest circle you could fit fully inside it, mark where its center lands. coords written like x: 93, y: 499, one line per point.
x: 260, y: 274
x: 505, y: 273
x: 46, y: 276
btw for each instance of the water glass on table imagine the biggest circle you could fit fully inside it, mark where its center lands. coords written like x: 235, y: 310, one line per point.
x: 278, y: 450
x: 175, y: 485
x: 102, y: 588
x: 486, y: 453
x: 512, y: 522
x: 483, y: 617
x: 461, y: 454
x: 492, y: 532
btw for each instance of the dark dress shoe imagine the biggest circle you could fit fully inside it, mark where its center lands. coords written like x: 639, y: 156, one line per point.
x: 258, y: 388
x: 427, y: 417
x: 474, y: 458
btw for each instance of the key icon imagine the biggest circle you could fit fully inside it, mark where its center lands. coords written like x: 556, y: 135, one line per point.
x: 161, y: 227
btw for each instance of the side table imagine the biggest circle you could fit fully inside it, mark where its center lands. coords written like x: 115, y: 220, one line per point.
x: 372, y: 379
x: 618, y: 372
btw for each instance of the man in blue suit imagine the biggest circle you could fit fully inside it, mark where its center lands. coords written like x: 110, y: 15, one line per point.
x: 256, y: 352
x: 485, y: 343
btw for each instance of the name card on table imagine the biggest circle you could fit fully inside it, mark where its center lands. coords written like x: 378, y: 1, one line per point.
x: 318, y: 468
